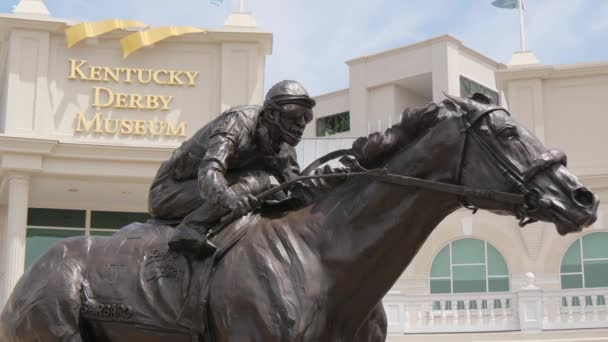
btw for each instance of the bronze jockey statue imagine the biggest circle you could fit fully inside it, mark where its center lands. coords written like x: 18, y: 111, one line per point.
x: 221, y: 168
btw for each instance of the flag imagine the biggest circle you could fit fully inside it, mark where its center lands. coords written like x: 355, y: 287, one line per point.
x: 216, y: 2
x: 509, y: 4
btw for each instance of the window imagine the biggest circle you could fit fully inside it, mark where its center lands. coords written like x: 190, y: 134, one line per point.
x: 45, y: 227
x: 468, y: 266
x: 333, y: 124
x: 38, y: 241
x: 56, y: 218
x: 469, y: 87
x: 585, y: 263
x: 104, y: 223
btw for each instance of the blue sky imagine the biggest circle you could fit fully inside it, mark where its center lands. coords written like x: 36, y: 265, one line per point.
x: 313, y: 38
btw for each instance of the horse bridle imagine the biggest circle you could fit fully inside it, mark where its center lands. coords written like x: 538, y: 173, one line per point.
x: 526, y: 200
x: 532, y: 198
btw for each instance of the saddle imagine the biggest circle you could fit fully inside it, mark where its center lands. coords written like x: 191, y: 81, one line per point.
x: 134, y: 278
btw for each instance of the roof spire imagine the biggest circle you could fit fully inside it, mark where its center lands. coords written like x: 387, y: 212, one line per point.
x: 32, y: 7
x: 241, y: 18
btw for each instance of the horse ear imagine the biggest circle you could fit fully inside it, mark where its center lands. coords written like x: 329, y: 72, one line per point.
x: 465, y: 104
x: 482, y: 98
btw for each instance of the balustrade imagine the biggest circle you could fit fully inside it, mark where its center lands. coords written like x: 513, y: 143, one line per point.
x: 484, y: 312
x: 575, y: 309
x: 451, y: 313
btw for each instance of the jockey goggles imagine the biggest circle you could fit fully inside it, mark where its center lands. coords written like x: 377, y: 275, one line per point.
x: 280, y: 105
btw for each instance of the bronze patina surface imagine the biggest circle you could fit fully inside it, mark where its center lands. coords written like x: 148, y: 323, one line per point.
x: 315, y: 273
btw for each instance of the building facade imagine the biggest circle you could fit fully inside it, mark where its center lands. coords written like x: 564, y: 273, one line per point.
x: 481, y: 277
x: 90, y: 110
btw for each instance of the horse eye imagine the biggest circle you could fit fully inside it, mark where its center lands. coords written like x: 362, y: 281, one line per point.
x: 508, y: 132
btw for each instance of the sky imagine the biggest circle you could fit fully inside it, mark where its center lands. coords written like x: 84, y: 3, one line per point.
x: 313, y: 38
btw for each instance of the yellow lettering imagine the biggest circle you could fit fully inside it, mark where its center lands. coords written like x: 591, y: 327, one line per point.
x: 154, y: 128
x: 140, y: 128
x: 152, y: 102
x: 107, y: 127
x: 126, y: 127
x: 172, y: 131
x: 75, y: 66
x: 155, y: 132
x: 113, y: 73
x: 128, y: 74
x: 192, y: 77
x: 140, y: 76
x: 174, y: 77
x: 136, y: 102
x: 165, y: 100
x: 85, y: 126
x: 98, y: 92
x: 95, y: 73
x: 121, y: 100
x: 157, y: 79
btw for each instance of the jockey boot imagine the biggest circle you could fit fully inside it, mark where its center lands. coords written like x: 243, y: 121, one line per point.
x: 190, y: 240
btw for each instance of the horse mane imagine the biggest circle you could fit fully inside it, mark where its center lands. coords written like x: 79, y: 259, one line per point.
x: 375, y: 149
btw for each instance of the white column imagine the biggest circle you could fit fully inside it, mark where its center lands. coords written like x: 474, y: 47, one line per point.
x: 3, y: 212
x: 13, y: 246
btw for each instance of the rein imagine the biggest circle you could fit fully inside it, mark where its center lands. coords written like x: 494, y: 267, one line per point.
x: 526, y: 201
x: 383, y: 176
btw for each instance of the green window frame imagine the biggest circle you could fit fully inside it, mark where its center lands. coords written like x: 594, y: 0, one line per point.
x: 469, y: 87
x: 585, y: 262
x: 333, y: 124
x: 469, y: 265
x: 105, y: 223
x: 46, y: 227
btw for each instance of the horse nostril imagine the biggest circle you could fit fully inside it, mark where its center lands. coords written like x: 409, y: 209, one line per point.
x: 583, y: 197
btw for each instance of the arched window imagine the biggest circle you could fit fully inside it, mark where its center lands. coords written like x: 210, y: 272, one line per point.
x: 469, y: 265
x: 585, y: 264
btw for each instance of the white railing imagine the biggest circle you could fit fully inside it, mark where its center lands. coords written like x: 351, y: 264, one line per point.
x: 529, y: 309
x: 575, y: 309
x: 309, y: 149
x: 451, y: 313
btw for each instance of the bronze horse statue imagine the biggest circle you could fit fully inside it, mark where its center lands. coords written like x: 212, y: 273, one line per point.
x: 313, y: 274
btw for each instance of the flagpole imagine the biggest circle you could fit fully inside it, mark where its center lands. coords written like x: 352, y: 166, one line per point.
x: 522, y: 36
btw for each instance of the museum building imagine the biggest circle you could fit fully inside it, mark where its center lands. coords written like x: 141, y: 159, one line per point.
x: 481, y: 277
x: 88, y: 111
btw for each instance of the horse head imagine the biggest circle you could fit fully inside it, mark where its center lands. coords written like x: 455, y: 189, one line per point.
x: 483, y: 147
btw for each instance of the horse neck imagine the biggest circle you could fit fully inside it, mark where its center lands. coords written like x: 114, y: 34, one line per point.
x: 370, y: 231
